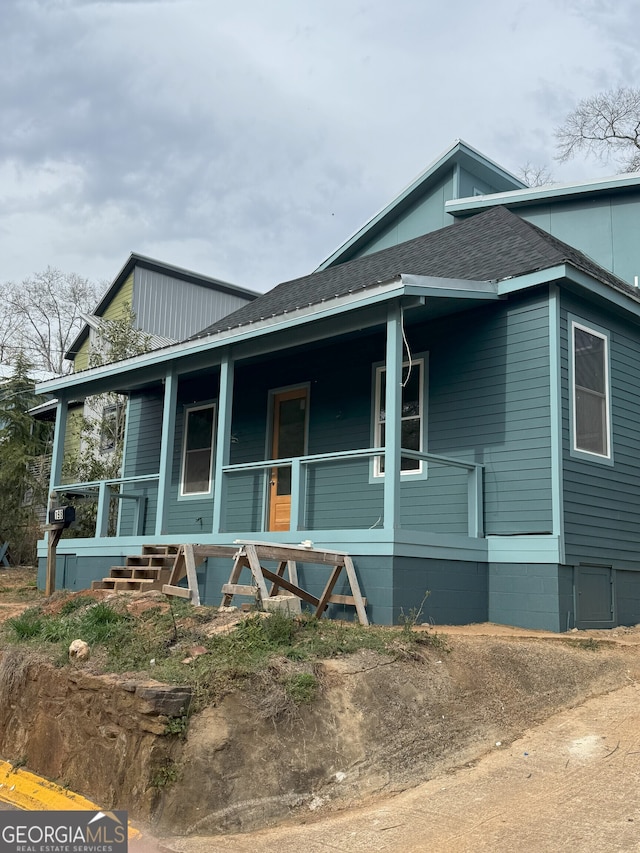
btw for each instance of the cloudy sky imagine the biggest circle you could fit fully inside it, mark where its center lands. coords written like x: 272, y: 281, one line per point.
x: 246, y: 139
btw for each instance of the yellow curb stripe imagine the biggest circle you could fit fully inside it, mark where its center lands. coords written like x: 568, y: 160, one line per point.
x: 29, y: 792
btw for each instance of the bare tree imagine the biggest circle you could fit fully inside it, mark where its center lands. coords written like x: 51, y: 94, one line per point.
x: 44, y: 312
x: 535, y: 176
x: 606, y: 125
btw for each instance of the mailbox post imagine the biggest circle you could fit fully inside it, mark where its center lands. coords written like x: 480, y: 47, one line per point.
x: 59, y: 518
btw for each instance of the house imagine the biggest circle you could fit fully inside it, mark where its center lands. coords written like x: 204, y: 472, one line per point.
x: 167, y: 304
x: 458, y: 411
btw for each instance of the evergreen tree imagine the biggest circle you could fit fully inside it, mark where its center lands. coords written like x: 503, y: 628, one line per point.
x: 23, y: 467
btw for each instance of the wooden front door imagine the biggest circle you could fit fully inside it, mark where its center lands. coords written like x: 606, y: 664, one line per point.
x: 289, y: 438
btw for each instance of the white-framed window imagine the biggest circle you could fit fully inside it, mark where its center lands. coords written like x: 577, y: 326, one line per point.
x: 412, y: 414
x: 197, y: 450
x: 111, y: 427
x: 590, y: 404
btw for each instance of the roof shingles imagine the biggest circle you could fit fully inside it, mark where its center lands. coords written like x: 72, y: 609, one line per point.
x: 490, y: 246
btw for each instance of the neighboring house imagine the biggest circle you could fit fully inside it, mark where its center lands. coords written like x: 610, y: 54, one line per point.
x: 458, y: 411
x: 169, y: 304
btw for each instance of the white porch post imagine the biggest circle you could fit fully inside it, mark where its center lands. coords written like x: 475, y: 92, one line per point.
x: 392, y: 408
x: 223, y: 440
x: 166, y: 448
x: 57, y: 453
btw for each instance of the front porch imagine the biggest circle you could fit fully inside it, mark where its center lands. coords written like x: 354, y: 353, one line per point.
x: 390, y: 436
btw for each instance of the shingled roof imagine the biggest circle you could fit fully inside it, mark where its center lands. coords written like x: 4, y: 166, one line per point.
x: 490, y: 246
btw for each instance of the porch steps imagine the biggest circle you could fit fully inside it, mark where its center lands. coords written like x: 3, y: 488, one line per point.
x: 149, y: 570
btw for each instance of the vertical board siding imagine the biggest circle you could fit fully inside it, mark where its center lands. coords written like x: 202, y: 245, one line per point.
x: 425, y: 215
x: 627, y: 597
x: 469, y: 183
x: 600, y: 500
x: 605, y: 229
x: 176, y: 308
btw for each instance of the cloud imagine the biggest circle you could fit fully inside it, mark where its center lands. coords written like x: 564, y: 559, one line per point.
x: 248, y: 140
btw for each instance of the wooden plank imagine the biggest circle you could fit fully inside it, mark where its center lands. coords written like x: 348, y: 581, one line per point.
x: 256, y: 570
x: 293, y: 571
x: 239, y: 563
x: 326, y: 594
x: 238, y: 589
x: 271, y: 551
x: 215, y: 550
x: 296, y: 590
x: 303, y: 555
x: 282, y: 565
x: 344, y: 599
x: 359, y: 602
x: 179, y: 591
x: 178, y: 569
x: 192, y: 577
x: 53, y: 537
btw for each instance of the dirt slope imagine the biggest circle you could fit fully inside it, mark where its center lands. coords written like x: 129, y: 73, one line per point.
x: 378, y: 727
x: 568, y: 784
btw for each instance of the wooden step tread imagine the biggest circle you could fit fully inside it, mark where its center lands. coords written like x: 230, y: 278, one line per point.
x: 161, y: 550
x: 154, y: 560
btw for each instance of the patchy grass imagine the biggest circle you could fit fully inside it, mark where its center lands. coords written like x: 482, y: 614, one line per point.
x: 159, y: 642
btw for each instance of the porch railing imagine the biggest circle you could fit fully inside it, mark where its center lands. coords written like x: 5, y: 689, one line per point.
x: 254, y: 498
x: 103, y: 492
x: 446, y: 496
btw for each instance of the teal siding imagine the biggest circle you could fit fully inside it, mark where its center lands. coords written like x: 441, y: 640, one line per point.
x: 427, y: 214
x: 469, y: 183
x: 190, y: 515
x: 142, y: 456
x: 489, y: 402
x: 605, y: 229
x: 339, y: 419
x: 601, y: 501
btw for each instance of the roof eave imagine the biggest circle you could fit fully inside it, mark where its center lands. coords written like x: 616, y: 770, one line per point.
x: 536, y: 195
x: 459, y: 149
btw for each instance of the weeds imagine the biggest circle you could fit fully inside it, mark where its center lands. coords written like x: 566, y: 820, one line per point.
x: 590, y: 645
x: 277, y: 647
x: 410, y: 620
x: 27, y: 625
x: 301, y: 688
x: 165, y: 775
x: 177, y: 726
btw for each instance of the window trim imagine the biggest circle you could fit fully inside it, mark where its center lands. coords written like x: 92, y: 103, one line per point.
x: 197, y: 407
x: 118, y: 409
x: 603, y: 334
x: 422, y: 360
